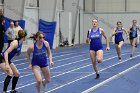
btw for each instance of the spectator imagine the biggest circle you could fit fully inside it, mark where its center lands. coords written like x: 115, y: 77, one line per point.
x: 17, y: 27
x: 11, y: 33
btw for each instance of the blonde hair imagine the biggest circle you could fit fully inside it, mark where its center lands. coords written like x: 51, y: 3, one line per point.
x: 21, y: 34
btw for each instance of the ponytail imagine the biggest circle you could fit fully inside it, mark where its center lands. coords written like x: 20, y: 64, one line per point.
x: 21, y: 34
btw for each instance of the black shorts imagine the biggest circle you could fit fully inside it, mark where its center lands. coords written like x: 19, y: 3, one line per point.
x: 2, y: 60
x: 117, y: 42
x: 131, y: 38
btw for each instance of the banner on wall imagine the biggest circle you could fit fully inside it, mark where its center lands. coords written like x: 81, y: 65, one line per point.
x: 7, y: 25
x: 49, y: 29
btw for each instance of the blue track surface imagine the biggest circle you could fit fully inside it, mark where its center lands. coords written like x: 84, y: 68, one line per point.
x: 73, y: 72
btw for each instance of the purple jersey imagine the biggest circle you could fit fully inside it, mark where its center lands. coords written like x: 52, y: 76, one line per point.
x: 13, y: 52
x: 39, y: 56
x: 95, y: 39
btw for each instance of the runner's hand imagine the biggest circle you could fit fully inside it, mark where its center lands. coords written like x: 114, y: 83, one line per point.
x: 30, y: 66
x: 51, y: 63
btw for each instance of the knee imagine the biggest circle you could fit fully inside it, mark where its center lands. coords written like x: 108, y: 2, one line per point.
x: 39, y: 81
x: 10, y: 74
x: 17, y: 74
x: 133, y: 45
x: 99, y: 60
x: 119, y: 46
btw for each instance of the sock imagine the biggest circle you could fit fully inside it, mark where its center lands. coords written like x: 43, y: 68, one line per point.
x: 14, y: 82
x: 6, y: 82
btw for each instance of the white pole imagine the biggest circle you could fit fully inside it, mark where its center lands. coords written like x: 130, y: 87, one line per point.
x: 70, y: 29
x: 56, y: 18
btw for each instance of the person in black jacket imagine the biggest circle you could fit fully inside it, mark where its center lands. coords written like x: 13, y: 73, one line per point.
x: 2, y: 30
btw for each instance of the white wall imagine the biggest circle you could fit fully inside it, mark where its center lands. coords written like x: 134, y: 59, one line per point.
x: 47, y: 12
x: 89, y: 5
x: 14, y: 9
x: 108, y: 10
x: 2, y: 6
x: 47, y: 9
x: 66, y: 25
x: 110, y: 5
x: 31, y: 25
x: 71, y: 6
x: 108, y: 20
x: 31, y: 3
x: 133, y: 5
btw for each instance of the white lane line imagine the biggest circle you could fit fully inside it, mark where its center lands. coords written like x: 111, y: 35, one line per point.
x: 54, y: 61
x: 76, y: 79
x: 54, y: 56
x: 60, y: 65
x: 70, y: 54
x: 57, y: 66
x: 71, y: 58
x: 66, y: 52
x: 87, y: 76
x: 58, y: 75
x: 70, y: 63
x: 60, y: 55
x: 53, y: 67
x: 63, y: 72
x: 110, y: 79
x: 65, y: 58
x: 55, y: 53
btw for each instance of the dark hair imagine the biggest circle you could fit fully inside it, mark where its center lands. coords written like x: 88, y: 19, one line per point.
x: 119, y: 22
x: 34, y: 36
x: 134, y: 20
x: 15, y: 22
x: 21, y: 34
